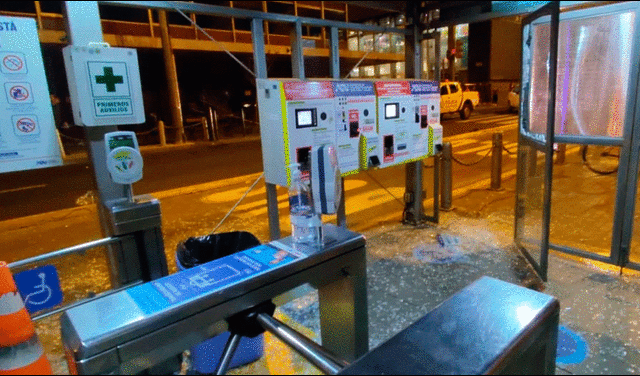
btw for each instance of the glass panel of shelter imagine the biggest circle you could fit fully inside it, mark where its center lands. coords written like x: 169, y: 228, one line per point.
x: 591, y: 214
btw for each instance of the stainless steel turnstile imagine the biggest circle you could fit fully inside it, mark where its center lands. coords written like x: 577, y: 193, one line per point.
x: 140, y: 327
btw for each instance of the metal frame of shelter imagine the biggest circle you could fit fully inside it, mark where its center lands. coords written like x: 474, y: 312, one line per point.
x: 413, y: 37
x: 530, y: 172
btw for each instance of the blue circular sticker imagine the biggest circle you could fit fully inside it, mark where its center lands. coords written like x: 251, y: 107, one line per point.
x: 572, y: 349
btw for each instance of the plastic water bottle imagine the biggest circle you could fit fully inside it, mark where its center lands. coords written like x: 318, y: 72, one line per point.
x: 306, y: 225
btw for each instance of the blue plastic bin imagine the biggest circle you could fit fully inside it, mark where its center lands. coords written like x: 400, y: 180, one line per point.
x: 206, y: 355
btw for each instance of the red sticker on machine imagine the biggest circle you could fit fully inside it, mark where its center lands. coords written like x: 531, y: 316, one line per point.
x: 392, y: 88
x: 353, y: 116
x: 424, y: 110
x: 300, y: 90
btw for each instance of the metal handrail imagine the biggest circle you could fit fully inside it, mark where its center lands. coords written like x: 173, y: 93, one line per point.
x: 83, y: 301
x: 80, y: 248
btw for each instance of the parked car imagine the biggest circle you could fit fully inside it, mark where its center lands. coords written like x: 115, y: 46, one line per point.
x: 454, y: 99
x: 514, y: 99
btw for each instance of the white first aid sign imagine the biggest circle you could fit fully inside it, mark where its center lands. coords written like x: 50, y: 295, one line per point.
x: 28, y: 138
x: 104, y: 84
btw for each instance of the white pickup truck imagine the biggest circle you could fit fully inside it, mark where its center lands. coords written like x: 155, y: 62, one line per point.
x: 453, y: 98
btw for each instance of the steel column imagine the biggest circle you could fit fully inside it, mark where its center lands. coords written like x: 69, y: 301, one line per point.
x: 334, y: 53
x: 83, y: 26
x: 260, y: 69
x: 172, y: 77
x: 297, y: 53
x: 334, y: 67
x: 414, y: 193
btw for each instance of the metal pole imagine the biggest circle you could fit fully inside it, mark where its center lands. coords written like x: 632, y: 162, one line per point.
x: 172, y: 77
x: 64, y: 155
x: 314, y: 353
x: 414, y: 192
x: 214, y: 130
x: 496, y: 162
x: 561, y: 154
x: 216, y: 125
x: 244, y: 122
x: 260, y: 69
x: 205, y: 128
x: 447, y: 189
x: 451, y: 44
x: 297, y: 53
x: 334, y: 66
x: 227, y: 354
x: 161, y: 133
x: 83, y: 26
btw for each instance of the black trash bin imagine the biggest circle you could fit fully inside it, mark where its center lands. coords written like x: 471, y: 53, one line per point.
x: 199, y: 250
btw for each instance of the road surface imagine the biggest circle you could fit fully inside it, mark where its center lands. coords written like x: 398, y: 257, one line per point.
x: 46, y: 190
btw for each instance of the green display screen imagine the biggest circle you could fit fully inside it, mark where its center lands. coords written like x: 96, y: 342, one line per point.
x: 117, y: 141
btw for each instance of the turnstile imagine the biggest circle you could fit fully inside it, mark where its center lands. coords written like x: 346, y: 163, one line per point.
x: 135, y: 329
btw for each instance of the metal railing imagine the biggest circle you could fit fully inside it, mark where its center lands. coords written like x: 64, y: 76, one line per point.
x: 496, y: 153
x: 79, y: 249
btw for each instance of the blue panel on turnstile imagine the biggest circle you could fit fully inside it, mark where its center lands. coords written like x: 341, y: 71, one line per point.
x: 200, y: 280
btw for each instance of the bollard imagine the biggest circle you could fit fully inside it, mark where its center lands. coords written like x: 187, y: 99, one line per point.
x: 447, y: 187
x: 496, y: 162
x: 214, y: 125
x: 161, y: 133
x: 561, y: 153
x: 244, y: 123
x: 205, y: 128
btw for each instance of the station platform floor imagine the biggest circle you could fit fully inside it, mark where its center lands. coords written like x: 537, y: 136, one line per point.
x: 409, y: 273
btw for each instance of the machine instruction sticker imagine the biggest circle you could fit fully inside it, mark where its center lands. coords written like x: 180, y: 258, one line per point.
x: 215, y: 275
x: 28, y: 137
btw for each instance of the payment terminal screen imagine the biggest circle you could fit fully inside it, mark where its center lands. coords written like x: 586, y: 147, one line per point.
x: 124, y: 140
x: 306, y: 118
x: 391, y: 111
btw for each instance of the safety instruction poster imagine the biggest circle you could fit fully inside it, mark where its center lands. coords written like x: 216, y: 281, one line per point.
x: 28, y: 137
x: 162, y: 293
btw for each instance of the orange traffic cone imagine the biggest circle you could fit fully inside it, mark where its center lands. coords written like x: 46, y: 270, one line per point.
x: 20, y: 349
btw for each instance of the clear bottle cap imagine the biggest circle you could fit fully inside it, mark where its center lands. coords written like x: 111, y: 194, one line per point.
x: 295, y: 171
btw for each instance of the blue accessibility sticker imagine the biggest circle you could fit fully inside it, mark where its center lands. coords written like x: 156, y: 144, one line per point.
x: 218, y: 274
x: 39, y: 288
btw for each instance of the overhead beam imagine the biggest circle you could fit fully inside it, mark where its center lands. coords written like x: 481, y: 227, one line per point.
x: 217, y: 10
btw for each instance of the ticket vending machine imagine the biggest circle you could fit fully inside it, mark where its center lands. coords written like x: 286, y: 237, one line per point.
x: 396, y: 121
x: 357, y: 142
x: 427, y: 132
x: 296, y: 117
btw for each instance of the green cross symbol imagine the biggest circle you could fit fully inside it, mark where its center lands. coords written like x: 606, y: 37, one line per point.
x: 109, y: 79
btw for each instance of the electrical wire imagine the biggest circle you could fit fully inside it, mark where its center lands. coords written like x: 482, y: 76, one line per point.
x: 237, y: 203
x: 215, y: 41
x: 364, y: 56
x: 385, y: 188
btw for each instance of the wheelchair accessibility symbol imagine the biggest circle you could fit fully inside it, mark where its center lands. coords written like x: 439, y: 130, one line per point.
x: 42, y: 293
x: 40, y: 288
